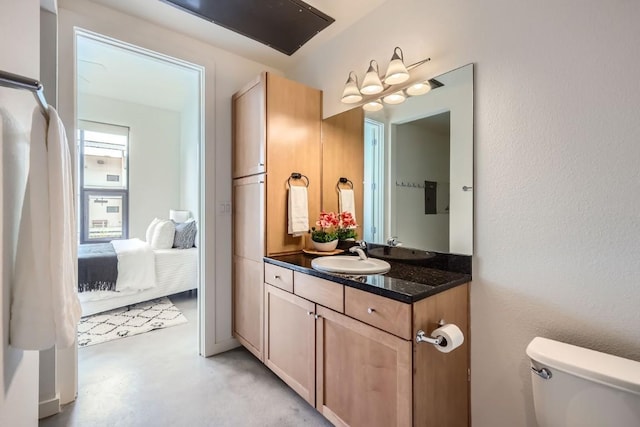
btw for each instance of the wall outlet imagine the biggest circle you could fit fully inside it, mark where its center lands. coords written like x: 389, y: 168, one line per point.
x: 224, y: 208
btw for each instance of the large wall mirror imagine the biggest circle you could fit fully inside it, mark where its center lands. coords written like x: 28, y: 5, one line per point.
x: 417, y: 173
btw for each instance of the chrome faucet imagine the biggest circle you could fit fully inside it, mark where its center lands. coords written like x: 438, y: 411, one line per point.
x: 360, y: 249
x: 393, y: 241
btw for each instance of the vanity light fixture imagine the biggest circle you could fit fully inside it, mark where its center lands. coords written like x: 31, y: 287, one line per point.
x: 383, y: 88
x: 374, y: 105
x: 351, y: 93
x: 371, y: 83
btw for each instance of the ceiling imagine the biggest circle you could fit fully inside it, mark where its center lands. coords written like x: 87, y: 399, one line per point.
x: 345, y: 13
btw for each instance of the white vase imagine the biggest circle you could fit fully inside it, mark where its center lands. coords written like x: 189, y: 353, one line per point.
x: 325, y: 247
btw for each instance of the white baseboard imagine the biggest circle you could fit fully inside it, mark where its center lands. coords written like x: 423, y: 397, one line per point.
x: 49, y: 407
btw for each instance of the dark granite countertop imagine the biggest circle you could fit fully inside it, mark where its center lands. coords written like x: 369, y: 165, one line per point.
x: 404, y: 282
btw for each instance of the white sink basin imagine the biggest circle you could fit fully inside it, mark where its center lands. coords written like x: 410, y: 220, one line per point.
x: 350, y: 265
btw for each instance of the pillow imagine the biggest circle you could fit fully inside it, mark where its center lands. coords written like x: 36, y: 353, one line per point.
x: 178, y: 215
x: 185, y: 235
x: 163, y: 235
x: 151, y: 228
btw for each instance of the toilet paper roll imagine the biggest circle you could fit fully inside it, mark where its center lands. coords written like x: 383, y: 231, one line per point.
x: 453, y: 337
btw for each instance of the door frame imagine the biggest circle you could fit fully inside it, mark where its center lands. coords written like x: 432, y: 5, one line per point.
x: 67, y: 359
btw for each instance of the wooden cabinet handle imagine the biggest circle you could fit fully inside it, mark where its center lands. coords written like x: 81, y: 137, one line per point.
x: 370, y: 310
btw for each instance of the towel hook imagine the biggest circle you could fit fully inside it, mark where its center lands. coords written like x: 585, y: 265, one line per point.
x: 343, y: 180
x: 298, y: 175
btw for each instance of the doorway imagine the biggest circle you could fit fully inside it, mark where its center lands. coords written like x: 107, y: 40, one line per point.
x: 139, y: 161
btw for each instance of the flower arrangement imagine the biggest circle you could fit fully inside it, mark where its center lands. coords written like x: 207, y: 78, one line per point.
x: 327, y: 232
x: 346, y: 226
x: 332, y: 226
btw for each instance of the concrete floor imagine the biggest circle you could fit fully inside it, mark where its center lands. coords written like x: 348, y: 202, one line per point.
x: 158, y: 379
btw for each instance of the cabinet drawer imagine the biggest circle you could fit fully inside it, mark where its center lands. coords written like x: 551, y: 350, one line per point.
x: 384, y: 313
x: 320, y: 291
x: 279, y: 277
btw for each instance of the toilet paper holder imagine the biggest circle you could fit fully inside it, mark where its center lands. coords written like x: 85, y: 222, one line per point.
x: 421, y: 336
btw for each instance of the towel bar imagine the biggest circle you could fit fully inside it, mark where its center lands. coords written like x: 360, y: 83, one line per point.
x: 298, y: 175
x: 343, y: 180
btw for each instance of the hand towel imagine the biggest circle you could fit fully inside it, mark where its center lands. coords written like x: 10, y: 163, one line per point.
x: 346, y: 200
x: 298, y: 211
x: 45, y: 308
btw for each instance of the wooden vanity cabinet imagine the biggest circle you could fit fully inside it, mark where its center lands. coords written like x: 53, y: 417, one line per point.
x: 353, y: 373
x: 358, y: 362
x: 276, y: 131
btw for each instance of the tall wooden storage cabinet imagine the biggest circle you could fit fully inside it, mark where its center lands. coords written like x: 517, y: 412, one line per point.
x: 276, y: 132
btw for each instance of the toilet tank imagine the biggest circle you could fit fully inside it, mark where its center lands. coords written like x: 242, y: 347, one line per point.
x: 586, y: 388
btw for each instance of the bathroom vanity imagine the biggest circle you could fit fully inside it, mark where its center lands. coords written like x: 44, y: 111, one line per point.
x: 347, y: 344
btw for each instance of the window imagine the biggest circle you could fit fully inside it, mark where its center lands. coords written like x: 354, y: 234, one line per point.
x: 104, y: 191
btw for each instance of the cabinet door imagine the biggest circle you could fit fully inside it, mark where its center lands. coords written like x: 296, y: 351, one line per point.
x: 363, y: 375
x: 290, y: 340
x: 249, y: 129
x: 294, y: 116
x: 248, y: 217
x: 248, y: 304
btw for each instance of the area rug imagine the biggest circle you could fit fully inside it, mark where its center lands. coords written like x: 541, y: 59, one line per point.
x: 127, y: 321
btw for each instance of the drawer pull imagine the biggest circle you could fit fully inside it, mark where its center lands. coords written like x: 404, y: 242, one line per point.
x: 370, y: 310
x: 317, y: 316
x: 276, y: 277
x: 309, y: 313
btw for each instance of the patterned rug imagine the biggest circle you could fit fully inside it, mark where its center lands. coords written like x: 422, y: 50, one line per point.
x: 127, y: 321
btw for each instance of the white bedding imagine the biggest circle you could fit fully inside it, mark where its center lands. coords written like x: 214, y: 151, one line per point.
x: 136, y: 265
x: 176, y: 270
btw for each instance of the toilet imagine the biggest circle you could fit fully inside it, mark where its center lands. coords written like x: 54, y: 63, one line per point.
x: 577, y: 387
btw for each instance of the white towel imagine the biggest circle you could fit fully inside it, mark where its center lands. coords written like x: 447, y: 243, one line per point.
x: 66, y: 306
x: 347, y: 202
x: 298, y: 212
x: 45, y: 308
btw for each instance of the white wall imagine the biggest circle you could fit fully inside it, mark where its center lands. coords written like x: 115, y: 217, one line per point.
x: 154, y: 155
x: 19, y: 369
x: 557, y: 187
x: 225, y: 73
x: 189, y: 183
x: 420, y: 154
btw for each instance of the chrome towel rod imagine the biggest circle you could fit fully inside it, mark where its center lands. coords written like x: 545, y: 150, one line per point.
x: 15, y: 81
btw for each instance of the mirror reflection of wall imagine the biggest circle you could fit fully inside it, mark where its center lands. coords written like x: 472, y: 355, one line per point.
x: 416, y: 154
x: 422, y: 183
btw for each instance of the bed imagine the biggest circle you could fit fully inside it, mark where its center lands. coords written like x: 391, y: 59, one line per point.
x: 176, y: 270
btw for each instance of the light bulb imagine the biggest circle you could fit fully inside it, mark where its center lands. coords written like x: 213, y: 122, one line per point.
x: 419, y: 89
x: 371, y: 83
x: 351, y: 94
x: 396, y: 71
x: 395, y: 98
x: 375, y: 105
